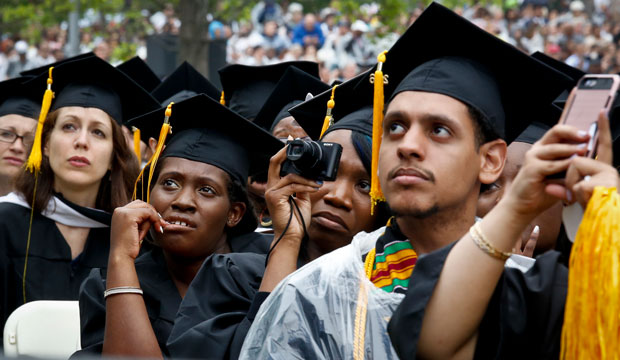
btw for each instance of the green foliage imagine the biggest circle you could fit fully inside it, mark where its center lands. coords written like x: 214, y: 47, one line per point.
x: 124, y: 51
x: 28, y: 18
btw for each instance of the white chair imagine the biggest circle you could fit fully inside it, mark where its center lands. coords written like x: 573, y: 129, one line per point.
x: 45, y: 329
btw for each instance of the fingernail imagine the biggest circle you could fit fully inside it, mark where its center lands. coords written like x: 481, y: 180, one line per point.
x: 582, y: 133
x: 569, y: 195
x: 161, y: 229
x: 582, y: 146
x: 536, y: 229
x: 320, y: 182
x: 159, y: 215
x: 572, y: 156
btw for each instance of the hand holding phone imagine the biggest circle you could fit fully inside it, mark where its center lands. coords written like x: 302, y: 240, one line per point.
x: 593, y: 93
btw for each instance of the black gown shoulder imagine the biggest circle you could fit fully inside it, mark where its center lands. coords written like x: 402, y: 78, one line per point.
x: 161, y: 298
x: 523, y: 320
x: 252, y: 242
x: 51, y: 273
x: 219, y: 307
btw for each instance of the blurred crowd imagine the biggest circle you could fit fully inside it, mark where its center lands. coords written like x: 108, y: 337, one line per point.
x: 344, y: 46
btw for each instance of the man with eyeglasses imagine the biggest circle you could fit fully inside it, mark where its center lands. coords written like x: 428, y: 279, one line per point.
x: 19, y: 110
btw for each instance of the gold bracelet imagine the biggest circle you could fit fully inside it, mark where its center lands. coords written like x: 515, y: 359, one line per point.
x: 476, y: 234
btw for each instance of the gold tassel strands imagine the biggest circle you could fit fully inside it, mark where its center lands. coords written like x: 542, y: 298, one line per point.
x: 329, y: 119
x: 163, y: 133
x: 376, y: 195
x: 591, y: 327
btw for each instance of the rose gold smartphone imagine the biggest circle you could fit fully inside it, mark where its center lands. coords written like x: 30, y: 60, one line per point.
x: 593, y: 93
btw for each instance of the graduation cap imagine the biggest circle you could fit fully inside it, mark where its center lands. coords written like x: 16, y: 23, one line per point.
x: 88, y: 82
x: 291, y: 90
x: 246, y: 88
x: 564, y: 68
x: 140, y: 72
x: 532, y: 133
x: 92, y: 82
x: 20, y: 99
x: 560, y: 66
x: 352, y: 109
x: 184, y: 82
x: 208, y: 132
x: 43, y: 69
x: 456, y: 58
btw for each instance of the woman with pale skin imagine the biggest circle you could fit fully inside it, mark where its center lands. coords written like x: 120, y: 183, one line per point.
x: 87, y: 170
x: 456, y: 316
x: 19, y: 111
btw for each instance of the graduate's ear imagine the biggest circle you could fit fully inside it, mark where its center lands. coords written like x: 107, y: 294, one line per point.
x: 235, y: 214
x: 153, y: 144
x: 492, y: 160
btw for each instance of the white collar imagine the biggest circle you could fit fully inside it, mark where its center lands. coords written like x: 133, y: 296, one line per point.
x: 58, y: 211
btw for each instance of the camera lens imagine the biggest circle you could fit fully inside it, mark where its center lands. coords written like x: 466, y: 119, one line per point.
x: 304, y: 154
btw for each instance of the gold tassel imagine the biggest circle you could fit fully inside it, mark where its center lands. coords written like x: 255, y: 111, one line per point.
x: 163, y: 133
x: 329, y: 119
x: 34, y: 160
x: 376, y: 195
x: 222, y: 100
x: 591, y: 327
x: 136, y: 142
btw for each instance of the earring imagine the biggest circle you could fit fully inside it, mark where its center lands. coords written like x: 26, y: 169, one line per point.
x: 229, y: 221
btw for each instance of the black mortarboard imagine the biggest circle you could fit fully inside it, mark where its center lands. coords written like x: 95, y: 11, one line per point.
x: 564, y: 68
x: 184, y: 82
x: 18, y: 98
x: 43, y: 69
x: 246, y: 88
x: 352, y: 109
x: 560, y: 66
x: 203, y: 130
x: 140, y: 72
x: 456, y: 58
x: 532, y: 133
x: 92, y: 82
x: 291, y: 90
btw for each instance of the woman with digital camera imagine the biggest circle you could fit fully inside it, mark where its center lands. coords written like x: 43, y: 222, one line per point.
x: 310, y: 218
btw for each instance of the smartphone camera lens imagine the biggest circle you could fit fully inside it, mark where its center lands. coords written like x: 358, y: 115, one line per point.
x: 590, y: 83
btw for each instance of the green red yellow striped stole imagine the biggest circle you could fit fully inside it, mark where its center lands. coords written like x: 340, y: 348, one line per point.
x: 393, y: 266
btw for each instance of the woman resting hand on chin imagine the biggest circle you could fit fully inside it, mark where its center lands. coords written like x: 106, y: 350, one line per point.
x: 198, y: 206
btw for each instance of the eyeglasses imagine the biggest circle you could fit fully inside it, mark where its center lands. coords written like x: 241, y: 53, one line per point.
x: 9, y: 136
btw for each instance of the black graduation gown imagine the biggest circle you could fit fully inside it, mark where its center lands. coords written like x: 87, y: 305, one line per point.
x: 51, y: 273
x: 523, y: 320
x: 161, y: 296
x: 219, y: 307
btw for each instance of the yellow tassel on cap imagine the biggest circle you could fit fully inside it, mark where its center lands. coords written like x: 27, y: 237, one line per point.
x: 591, y: 327
x: 329, y: 119
x: 377, y: 131
x: 136, y: 142
x: 222, y: 99
x: 163, y: 133
x: 34, y: 160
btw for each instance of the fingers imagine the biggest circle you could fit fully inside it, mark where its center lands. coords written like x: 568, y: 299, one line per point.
x: 142, y: 214
x: 549, y: 167
x: 289, y: 185
x: 581, y: 166
x: 564, y: 133
x: 604, y: 152
x: 530, y: 245
x: 274, y: 167
x: 559, y: 151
